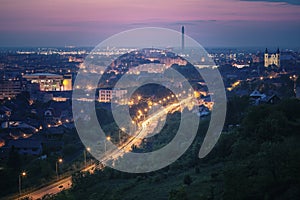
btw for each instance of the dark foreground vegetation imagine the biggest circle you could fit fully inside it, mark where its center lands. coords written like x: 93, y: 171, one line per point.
x: 257, y: 157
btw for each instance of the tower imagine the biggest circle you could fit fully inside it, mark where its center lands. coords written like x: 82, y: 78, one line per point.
x: 277, y: 56
x: 272, y: 59
x: 266, y: 59
x: 182, y: 38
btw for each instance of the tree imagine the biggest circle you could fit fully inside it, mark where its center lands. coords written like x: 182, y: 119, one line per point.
x: 187, y: 180
x: 14, y: 161
x: 178, y: 194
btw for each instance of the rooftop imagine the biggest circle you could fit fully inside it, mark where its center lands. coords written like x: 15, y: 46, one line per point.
x: 42, y: 75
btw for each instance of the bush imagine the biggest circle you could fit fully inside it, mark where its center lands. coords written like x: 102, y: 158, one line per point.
x: 187, y: 180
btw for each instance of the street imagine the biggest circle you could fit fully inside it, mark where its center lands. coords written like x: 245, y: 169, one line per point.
x: 58, y: 186
x: 54, y: 188
x: 66, y: 183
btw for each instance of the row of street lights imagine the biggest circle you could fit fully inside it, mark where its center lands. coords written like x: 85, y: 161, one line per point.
x: 24, y: 174
x: 60, y: 160
x: 57, y: 163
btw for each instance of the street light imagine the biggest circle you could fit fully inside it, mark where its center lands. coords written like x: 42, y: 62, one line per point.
x: 84, y: 154
x: 107, y: 139
x: 133, y: 125
x: 122, y: 129
x: 23, y: 174
x: 294, y: 79
x: 60, y: 160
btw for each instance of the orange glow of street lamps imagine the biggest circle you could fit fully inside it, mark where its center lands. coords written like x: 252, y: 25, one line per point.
x: 88, y: 149
x: 60, y: 160
x: 107, y: 139
x: 23, y: 174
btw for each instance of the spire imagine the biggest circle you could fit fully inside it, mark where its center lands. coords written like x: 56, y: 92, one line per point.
x: 182, y: 38
x: 266, y: 50
x: 278, y: 52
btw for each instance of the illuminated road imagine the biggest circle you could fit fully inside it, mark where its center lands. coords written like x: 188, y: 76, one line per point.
x: 56, y: 187
x: 144, y: 131
x: 66, y: 183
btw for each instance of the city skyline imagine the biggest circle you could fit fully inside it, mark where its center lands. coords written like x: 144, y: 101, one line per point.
x: 140, y: 99
x: 213, y: 24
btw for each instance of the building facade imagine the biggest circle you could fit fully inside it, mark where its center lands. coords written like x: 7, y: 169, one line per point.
x: 50, y: 82
x: 10, y: 88
x: 106, y: 95
x: 272, y: 59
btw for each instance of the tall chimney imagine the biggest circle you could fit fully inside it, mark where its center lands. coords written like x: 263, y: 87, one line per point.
x: 182, y: 38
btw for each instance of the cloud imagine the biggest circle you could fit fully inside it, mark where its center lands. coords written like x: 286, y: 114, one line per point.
x: 292, y: 2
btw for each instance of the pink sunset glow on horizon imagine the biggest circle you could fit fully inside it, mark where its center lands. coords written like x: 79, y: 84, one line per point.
x: 111, y: 16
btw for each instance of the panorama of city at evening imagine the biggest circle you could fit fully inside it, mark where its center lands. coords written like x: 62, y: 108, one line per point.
x: 150, y: 100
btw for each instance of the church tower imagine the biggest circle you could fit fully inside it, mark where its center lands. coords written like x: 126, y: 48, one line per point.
x: 266, y: 59
x: 272, y: 59
x: 277, y: 56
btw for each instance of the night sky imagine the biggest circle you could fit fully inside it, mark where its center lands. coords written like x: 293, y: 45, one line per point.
x: 217, y: 23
